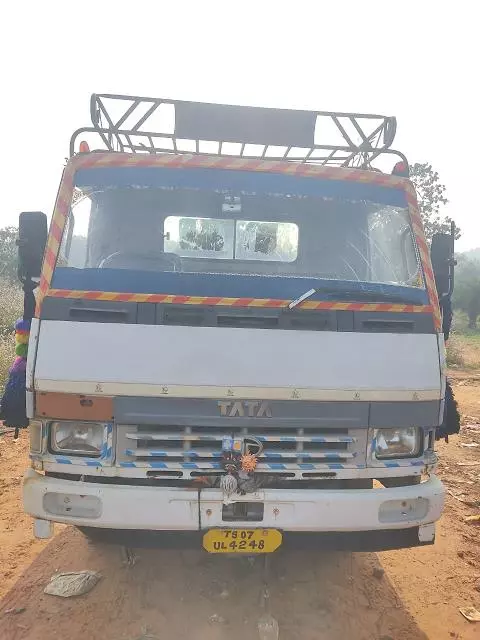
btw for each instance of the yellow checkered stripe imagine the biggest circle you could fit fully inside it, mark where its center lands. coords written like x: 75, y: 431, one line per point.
x: 109, y: 159
x: 424, y: 252
x: 158, y: 298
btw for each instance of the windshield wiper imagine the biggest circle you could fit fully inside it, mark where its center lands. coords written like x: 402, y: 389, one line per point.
x: 304, y: 296
x: 352, y: 294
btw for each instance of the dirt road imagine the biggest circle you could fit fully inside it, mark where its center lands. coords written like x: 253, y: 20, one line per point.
x: 314, y: 596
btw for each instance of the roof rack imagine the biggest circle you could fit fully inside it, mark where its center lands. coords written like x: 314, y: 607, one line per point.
x: 133, y: 124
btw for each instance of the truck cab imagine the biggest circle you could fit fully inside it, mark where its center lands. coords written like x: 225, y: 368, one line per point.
x: 237, y: 333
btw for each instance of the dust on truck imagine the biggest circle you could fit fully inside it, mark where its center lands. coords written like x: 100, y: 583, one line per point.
x: 237, y: 332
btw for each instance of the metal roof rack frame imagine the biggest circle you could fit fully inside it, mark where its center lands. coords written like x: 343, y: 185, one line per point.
x: 254, y: 132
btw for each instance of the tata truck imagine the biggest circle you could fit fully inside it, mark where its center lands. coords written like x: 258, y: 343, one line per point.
x: 235, y: 332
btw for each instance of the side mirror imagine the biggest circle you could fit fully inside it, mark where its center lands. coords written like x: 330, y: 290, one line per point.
x: 443, y: 261
x: 32, y: 239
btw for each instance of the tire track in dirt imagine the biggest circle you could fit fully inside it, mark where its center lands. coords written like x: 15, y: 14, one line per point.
x: 314, y: 596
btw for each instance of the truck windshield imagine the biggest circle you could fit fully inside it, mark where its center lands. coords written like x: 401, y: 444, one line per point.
x: 147, y: 227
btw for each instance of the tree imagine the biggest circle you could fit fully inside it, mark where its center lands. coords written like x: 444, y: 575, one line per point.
x: 473, y: 254
x: 466, y: 295
x: 431, y: 198
x: 8, y: 254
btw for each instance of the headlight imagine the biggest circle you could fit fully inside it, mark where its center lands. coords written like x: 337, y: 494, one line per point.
x: 84, y: 438
x: 397, y: 443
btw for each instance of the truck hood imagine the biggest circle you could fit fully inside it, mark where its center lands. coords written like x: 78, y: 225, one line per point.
x: 211, y: 362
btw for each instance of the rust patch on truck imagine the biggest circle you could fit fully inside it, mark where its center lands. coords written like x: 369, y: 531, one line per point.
x: 66, y: 406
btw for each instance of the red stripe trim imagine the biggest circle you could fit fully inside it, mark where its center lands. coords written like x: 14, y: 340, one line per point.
x: 108, y: 159
x: 56, y: 232
x: 236, y: 302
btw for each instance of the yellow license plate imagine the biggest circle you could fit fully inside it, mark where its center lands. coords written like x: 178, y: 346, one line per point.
x: 242, y: 540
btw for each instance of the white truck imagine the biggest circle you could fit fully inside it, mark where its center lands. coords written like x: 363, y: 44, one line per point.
x: 237, y: 332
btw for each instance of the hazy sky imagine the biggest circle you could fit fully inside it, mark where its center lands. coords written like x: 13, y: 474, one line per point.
x: 416, y: 60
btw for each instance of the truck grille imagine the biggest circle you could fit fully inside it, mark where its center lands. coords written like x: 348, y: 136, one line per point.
x: 291, y: 452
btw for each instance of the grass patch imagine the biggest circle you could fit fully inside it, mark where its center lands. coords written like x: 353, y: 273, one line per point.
x: 460, y: 326
x: 455, y: 352
x: 7, y: 354
x: 463, y: 348
x: 471, y: 337
x: 11, y: 303
x: 463, y: 351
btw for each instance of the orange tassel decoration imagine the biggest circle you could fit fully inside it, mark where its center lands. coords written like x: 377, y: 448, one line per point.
x: 249, y: 462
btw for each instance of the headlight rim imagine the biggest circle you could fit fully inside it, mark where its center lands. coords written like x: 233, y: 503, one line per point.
x: 417, y: 453
x: 80, y: 453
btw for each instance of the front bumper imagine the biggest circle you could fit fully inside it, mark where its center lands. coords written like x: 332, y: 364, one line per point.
x: 126, y: 507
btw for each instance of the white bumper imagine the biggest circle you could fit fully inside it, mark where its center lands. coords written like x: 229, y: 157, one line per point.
x: 172, y: 509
